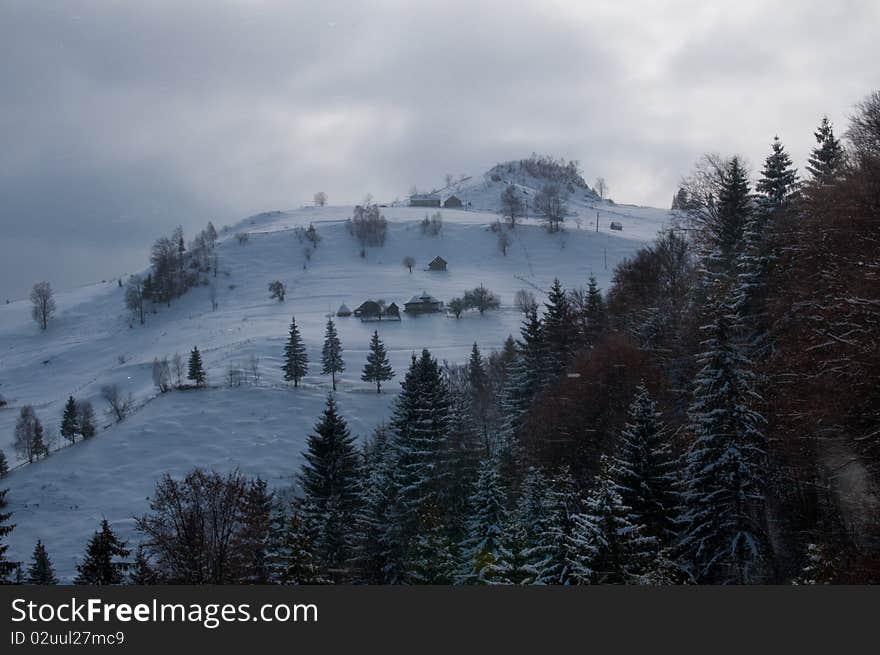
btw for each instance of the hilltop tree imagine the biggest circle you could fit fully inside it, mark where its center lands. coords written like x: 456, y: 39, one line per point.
x: 320, y: 199
x: 296, y: 361
x: 69, y: 425
x: 29, y: 435
x: 196, y: 371
x: 329, y: 479
x: 43, y: 304
x: 827, y: 158
x: 104, y: 562
x: 550, y: 203
x: 377, y: 369
x: 7, y: 567
x: 331, y: 354
x: 511, y: 205
x: 778, y: 181
x: 40, y: 571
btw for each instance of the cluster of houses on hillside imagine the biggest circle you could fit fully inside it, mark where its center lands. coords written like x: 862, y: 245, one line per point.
x: 434, y: 200
x: 378, y: 310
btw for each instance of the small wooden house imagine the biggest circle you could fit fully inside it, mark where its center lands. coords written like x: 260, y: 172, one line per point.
x: 453, y: 202
x: 343, y: 310
x: 437, y: 264
x: 423, y: 304
x: 369, y: 309
x: 616, y: 226
x: 424, y: 200
x: 392, y: 312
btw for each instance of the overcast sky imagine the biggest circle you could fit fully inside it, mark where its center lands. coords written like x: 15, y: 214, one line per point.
x: 120, y: 120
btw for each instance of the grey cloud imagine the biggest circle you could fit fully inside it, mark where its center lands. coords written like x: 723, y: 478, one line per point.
x: 121, y: 120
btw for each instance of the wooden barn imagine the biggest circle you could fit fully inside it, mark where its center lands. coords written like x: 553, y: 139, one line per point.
x: 376, y: 310
x: 437, y: 264
x: 424, y: 200
x: 423, y: 304
x: 453, y: 202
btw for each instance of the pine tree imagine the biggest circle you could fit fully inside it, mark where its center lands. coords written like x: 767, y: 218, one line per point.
x: 558, y: 332
x: 723, y: 538
x: 40, y: 571
x: 593, y: 318
x: 196, y: 370
x: 377, y: 369
x: 7, y: 567
x: 69, y: 423
x: 331, y: 354
x: 4, y: 465
x: 293, y: 561
x: 252, y: 543
x: 827, y: 158
x: 477, y: 377
x: 549, y: 557
x: 142, y: 573
x: 732, y: 211
x: 104, y: 561
x: 778, y: 181
x: 644, y: 469
x: 607, y: 544
x: 372, y: 515
x: 420, y: 426
x: 329, y: 479
x: 431, y: 559
x: 296, y: 361
x: 485, y: 527
x: 480, y: 393
x: 85, y: 419
x: 512, y: 564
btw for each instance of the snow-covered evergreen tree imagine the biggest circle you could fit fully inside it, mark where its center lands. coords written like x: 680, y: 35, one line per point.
x: 69, y: 423
x: 40, y: 572
x: 4, y: 465
x: 420, y: 427
x: 607, y: 545
x: 104, y: 562
x: 329, y: 479
x: 512, y: 564
x: 778, y: 181
x: 645, y: 470
x: 296, y: 360
x: 196, y: 372
x: 331, y: 354
x: 558, y: 332
x: 723, y: 538
x: 549, y: 557
x: 293, y: 560
x: 377, y: 369
x: 142, y: 573
x: 371, y: 518
x: 485, y: 526
x: 432, y: 556
x: 252, y: 543
x: 827, y: 158
x: 593, y: 317
x: 7, y: 567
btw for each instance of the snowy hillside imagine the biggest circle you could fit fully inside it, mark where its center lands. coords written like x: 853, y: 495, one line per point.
x: 261, y: 428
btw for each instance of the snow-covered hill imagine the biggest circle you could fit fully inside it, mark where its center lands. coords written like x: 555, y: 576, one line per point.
x: 262, y: 428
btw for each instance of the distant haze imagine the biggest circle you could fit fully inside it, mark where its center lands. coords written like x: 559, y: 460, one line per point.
x: 121, y: 120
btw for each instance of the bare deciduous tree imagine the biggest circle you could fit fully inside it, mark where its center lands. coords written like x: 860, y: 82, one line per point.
x: 511, y: 205
x: 320, y: 199
x: 29, y: 435
x: 135, y: 297
x: 503, y: 242
x: 524, y: 300
x: 177, y: 367
x: 550, y: 203
x: 601, y: 187
x: 277, y: 290
x: 43, y: 304
x: 409, y: 262
x: 120, y: 404
x: 162, y: 374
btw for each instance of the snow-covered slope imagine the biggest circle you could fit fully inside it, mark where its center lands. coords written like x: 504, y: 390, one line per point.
x: 262, y: 428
